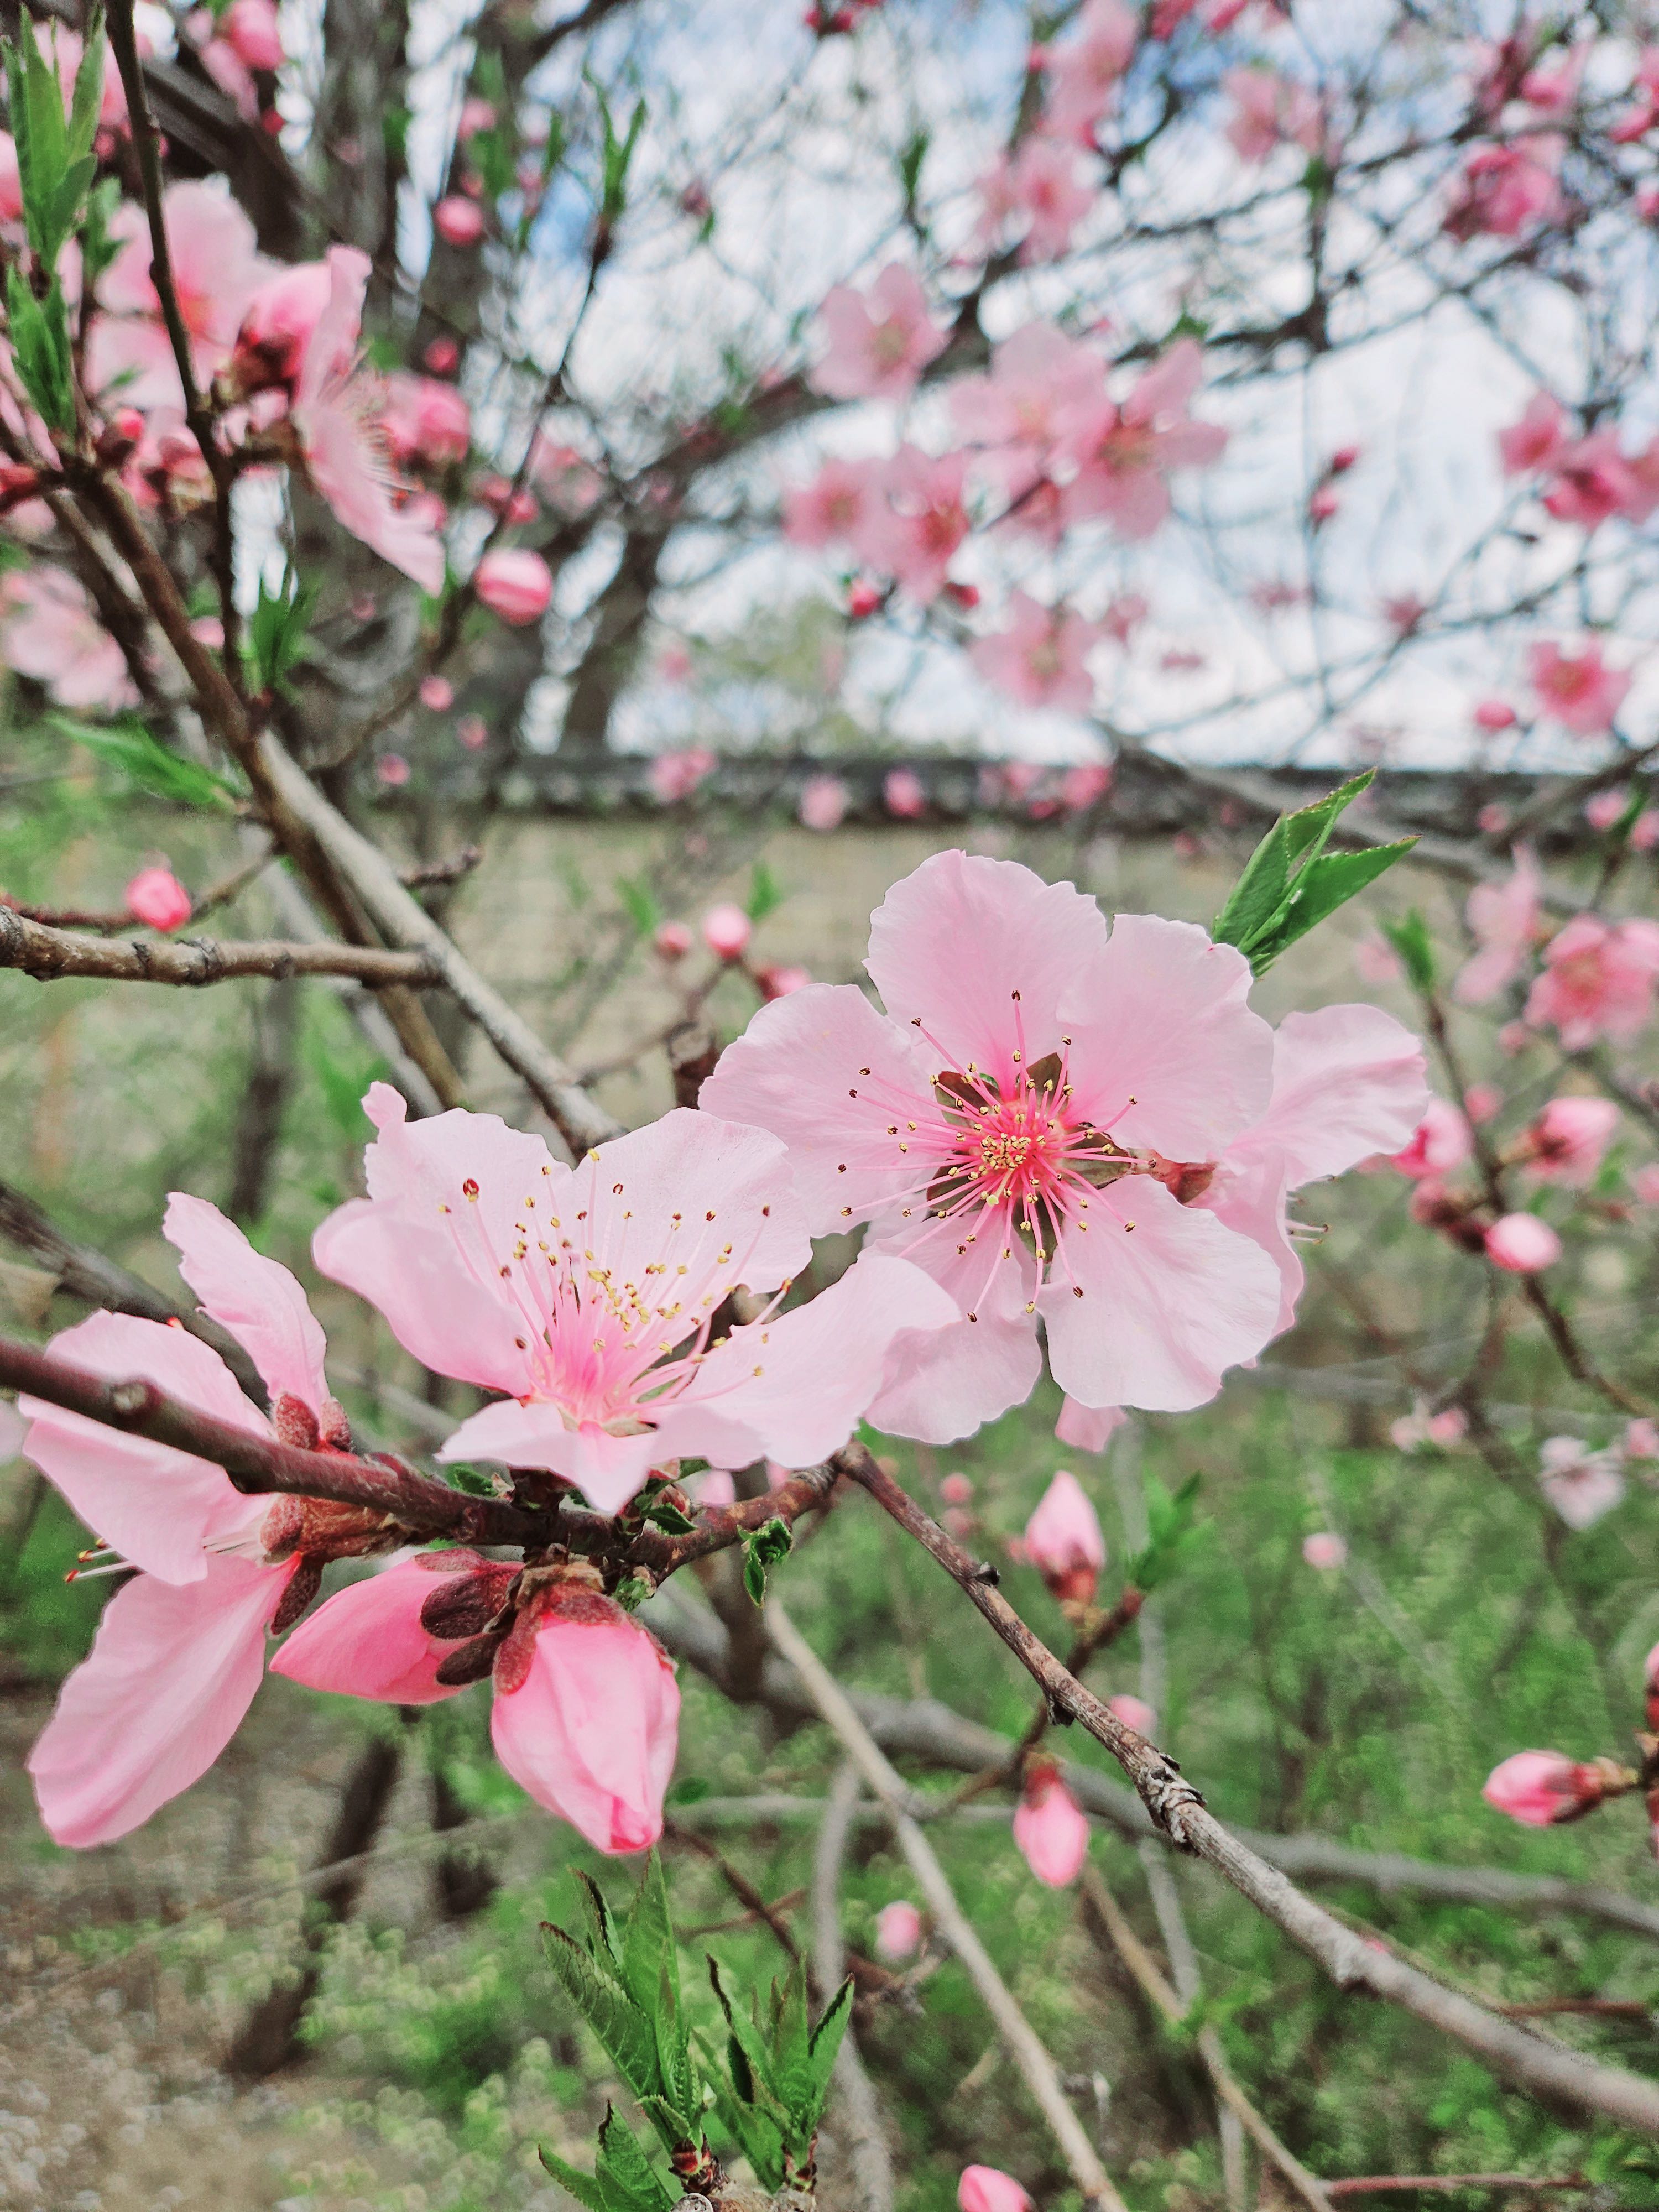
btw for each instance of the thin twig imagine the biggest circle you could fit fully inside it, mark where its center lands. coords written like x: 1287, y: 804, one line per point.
x: 1037, y: 2068
x: 51, y: 955
x: 1377, y: 2185
x: 861, y: 2139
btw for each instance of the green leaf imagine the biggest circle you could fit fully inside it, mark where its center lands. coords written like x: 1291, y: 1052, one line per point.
x: 40, y: 347
x: 649, y: 1950
x: 1289, y: 883
x: 88, y: 96
x: 823, y: 2048
x: 582, y: 2186
x: 912, y: 155
x: 149, y: 765
x: 667, y: 1518
x: 1330, y: 882
x: 55, y: 161
x: 98, y: 248
x: 1171, y: 1528
x: 755, y: 2131
x: 277, y: 630
x: 772, y: 1541
x: 766, y: 894
x: 641, y: 904
x: 631, y: 1593
x: 625, y: 2174
x: 603, y: 1943
x: 620, y: 2025
x: 1411, y: 940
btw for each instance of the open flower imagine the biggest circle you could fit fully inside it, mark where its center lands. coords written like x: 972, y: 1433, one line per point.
x: 1000, y: 1125
x: 1581, y: 1484
x: 1578, y: 690
x: 181, y: 1647
x: 898, y: 1931
x: 879, y: 342
x: 1505, y: 919
x: 1123, y: 455
x: 587, y: 1294
x: 1040, y: 658
x: 1566, y: 1142
x: 988, y: 2188
x: 49, y: 631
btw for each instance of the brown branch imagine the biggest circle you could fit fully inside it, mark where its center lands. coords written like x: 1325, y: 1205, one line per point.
x: 1109, y: 1917
x: 738, y: 1883
x: 50, y: 955
x: 1028, y: 2054
x: 1545, y: 2070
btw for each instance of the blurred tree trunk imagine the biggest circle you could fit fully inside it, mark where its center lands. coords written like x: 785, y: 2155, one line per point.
x: 264, y: 1099
x: 363, y: 118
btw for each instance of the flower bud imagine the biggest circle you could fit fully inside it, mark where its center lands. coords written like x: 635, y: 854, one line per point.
x: 157, y: 898
x: 956, y: 1489
x: 1567, y: 1139
x: 822, y: 803
x: 777, y: 982
x: 673, y: 940
x: 898, y: 1931
x: 457, y: 220
x: 250, y: 27
x: 1063, y: 1540
x: 988, y: 2189
x: 863, y: 599
x: 1522, y: 1244
x: 515, y: 584
x: 437, y: 693
x: 726, y: 931
x: 1324, y: 1549
x: 1134, y: 1712
x: 1540, y: 1789
x: 1050, y: 1826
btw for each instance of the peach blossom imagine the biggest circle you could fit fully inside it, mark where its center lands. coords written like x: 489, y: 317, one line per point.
x: 1522, y: 1244
x: 726, y: 930
x: 988, y: 2189
x: 898, y: 1931
x: 1063, y: 1540
x: 1134, y: 1713
x: 1568, y: 1138
x: 1577, y: 690
x: 1505, y: 919
x: 515, y: 584
x: 156, y: 897
x: 1597, y: 980
x: 1540, y: 1788
x: 458, y: 221
x: 1324, y: 1550
x: 879, y: 342
x: 823, y: 803
x: 1050, y: 1826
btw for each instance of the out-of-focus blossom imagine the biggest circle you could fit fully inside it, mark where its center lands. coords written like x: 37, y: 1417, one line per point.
x: 1533, y: 443
x: 1050, y: 1826
x: 1597, y: 980
x: 1522, y: 1244
x: 898, y: 1931
x: 1085, y: 785
x: 1646, y: 1184
x: 837, y: 505
x: 1506, y: 190
x: 726, y: 930
x: 676, y: 775
x: 1643, y: 835
x: 1269, y: 111
x: 1324, y: 1550
x: 1603, y: 808
x: 1540, y: 1789
x: 1580, y: 1483
x: 157, y: 898
x: 1505, y: 919
x: 823, y: 803
x: 1122, y: 456
x: 253, y: 28
x: 1041, y: 190
x: 1088, y: 1428
x: 1084, y: 72
x: 879, y: 342
x: 921, y: 521
x: 1063, y: 1540
x: 515, y: 584
x: 1481, y: 1103
x: 393, y: 770
x: 218, y: 270
x: 1493, y: 715
x: 437, y: 693
x: 1040, y: 657
x: 673, y: 940
x: 425, y: 420
x: 1592, y: 482
x: 1440, y: 1143
x: 956, y: 1489
x: 1641, y: 1442
x: 1420, y: 1427
x: 863, y: 597
x: 904, y: 794
x: 1376, y: 960
x: 457, y: 220
x: 777, y: 980
x: 1568, y: 1138
x: 1577, y: 690
x: 473, y: 731
x: 988, y: 2188
x: 1040, y: 382
x: 1134, y: 1712
x: 49, y: 631
x: 715, y: 1488
x: 568, y: 484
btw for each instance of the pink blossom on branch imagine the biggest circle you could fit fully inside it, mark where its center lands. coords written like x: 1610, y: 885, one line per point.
x: 1325, y: 1551
x: 1533, y: 443
x: 1597, y: 980
x: 726, y: 930
x: 496, y: 1265
x: 515, y: 583
x: 1505, y: 191
x: 1522, y: 1244
x: 1040, y: 191
x: 1084, y: 73
x: 837, y: 505
x: 1040, y: 382
x: 1577, y: 690
x: 1505, y: 919
x: 916, y: 533
x: 879, y: 342
x: 898, y: 1931
x: 157, y: 898
x: 1050, y: 1826
x: 50, y: 632
x: 1540, y: 1789
x: 1134, y: 1712
x: 988, y: 2188
x: 1063, y: 1540
x: 1088, y: 1428
x: 1039, y: 660
x: 1581, y: 1484
x: 1566, y: 1142
x: 1123, y: 455
x: 1271, y: 111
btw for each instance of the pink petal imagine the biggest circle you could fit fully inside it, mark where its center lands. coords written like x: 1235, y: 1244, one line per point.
x: 255, y: 1298
x: 1247, y: 1195
x: 169, y: 1677
x: 1348, y: 1081
x: 607, y: 1469
x: 350, y: 470
x: 1159, y: 1016
x: 791, y: 1073
x: 794, y: 1388
x: 155, y: 1506
x: 333, y: 339
x: 954, y: 943
x: 591, y: 1734
x: 1167, y: 1306
x: 367, y: 1641
x: 1088, y: 1428
x: 946, y: 1385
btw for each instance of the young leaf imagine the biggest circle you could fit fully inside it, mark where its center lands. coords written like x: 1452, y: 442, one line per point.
x: 277, y: 630
x: 620, y: 2025
x: 766, y: 894
x: 823, y: 2048
x: 1411, y: 940
x: 649, y: 1953
x: 41, y: 348
x: 602, y: 1942
x: 1328, y: 883
x: 1290, y: 883
x: 149, y: 766
x: 641, y: 904
x: 624, y: 2172
x: 772, y: 1541
x: 582, y: 2186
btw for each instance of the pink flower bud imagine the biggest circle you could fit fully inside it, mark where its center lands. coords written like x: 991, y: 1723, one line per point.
x: 457, y: 220
x: 988, y: 2189
x: 156, y: 897
x: 726, y: 931
x: 1540, y: 1788
x: 1050, y: 1826
x: 437, y: 693
x: 1492, y: 715
x: 11, y: 183
x: 1063, y: 1540
x: 393, y: 770
x: 1342, y: 461
x: 473, y: 731
x: 862, y: 600
x: 777, y: 982
x: 822, y: 803
x: 1134, y: 1712
x: 1324, y: 1550
x: 1448, y: 1427
x: 673, y: 940
x: 1481, y: 1100
x: 1088, y: 1428
x: 515, y: 584
x: 1569, y: 1137
x: 904, y: 794
x: 898, y: 1931
x: 1323, y: 505
x: 956, y: 1489
x: 1514, y: 1037
x: 1603, y: 808
x: 1522, y: 1244
x: 1640, y: 1440
x: 442, y: 358
x: 476, y: 115
x: 250, y: 26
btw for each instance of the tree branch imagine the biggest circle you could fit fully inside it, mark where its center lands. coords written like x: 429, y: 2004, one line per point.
x: 869, y: 2162
x: 51, y: 955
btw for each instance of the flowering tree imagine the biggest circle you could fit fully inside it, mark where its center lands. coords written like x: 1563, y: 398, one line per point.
x: 377, y: 432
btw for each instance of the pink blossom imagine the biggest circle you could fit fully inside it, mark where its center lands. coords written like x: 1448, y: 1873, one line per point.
x: 863, y: 597
x: 1540, y: 1788
x: 1039, y: 659
x: 673, y: 940
x: 1063, y: 1540
x: 156, y: 897
x: 1085, y: 785
x: 1506, y: 190
x: 1577, y: 688
x: 333, y: 421
x: 879, y: 342
x: 1646, y: 1184
x: 1592, y: 483
x: 437, y: 693
x: 1377, y: 961
x: 11, y: 183
x: 1440, y: 1142
x: 1088, y: 1428
x: 1325, y: 1551
x: 181, y: 1647
x: 515, y: 584
x: 458, y: 221
x: 823, y: 802
x: 1581, y: 1484
x: 50, y: 631
x: 1448, y: 1427
x: 1522, y: 1244
x: 473, y: 731
x: 569, y: 484
x: 676, y: 775
x: 1050, y: 1826
x: 368, y: 1640
x: 1596, y: 981
x: 1482, y: 1102
x: 1568, y: 1138
x: 276, y: 326
x: 1270, y: 111
x: 465, y: 1244
x: 777, y: 982
x: 1493, y: 715
x: 898, y: 1931
x: 990, y: 976
x: 1644, y: 830
x: 1555, y: 91
x: 1347, y: 1083
x: 1533, y: 442
x: 217, y: 271
x: 1134, y: 1713
x: 1041, y: 190
x: 1642, y: 1441
x: 988, y: 2189
x: 1123, y: 455
x: 837, y: 504
x: 904, y: 794
x: 1084, y: 72
x: 1505, y: 919
x: 726, y: 930
x: 1604, y: 808
x: 914, y: 534
x: 1040, y: 382
x: 476, y: 115
x: 251, y: 27
x: 1420, y: 1427
x: 425, y: 420
x: 956, y: 1489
